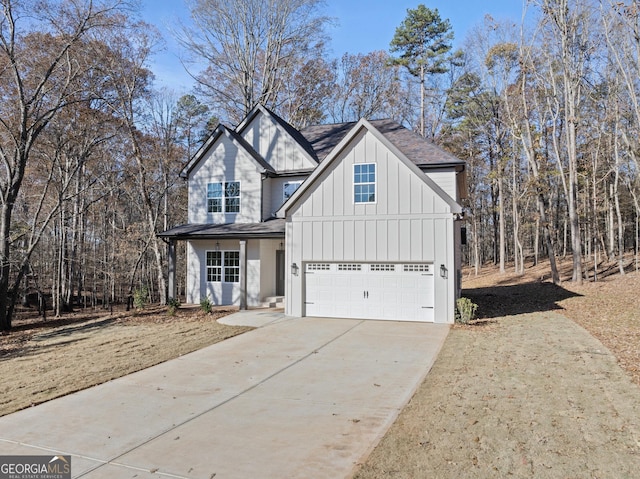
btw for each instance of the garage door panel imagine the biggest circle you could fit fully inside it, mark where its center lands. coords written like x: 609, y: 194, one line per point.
x: 370, y: 291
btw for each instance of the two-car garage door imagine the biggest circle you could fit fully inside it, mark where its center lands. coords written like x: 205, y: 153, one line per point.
x: 401, y: 292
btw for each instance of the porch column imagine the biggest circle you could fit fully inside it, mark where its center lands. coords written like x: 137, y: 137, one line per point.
x: 171, y: 293
x: 243, y: 275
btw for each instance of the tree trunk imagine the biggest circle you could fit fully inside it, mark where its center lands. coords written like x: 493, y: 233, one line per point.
x: 5, y: 268
x: 502, y: 242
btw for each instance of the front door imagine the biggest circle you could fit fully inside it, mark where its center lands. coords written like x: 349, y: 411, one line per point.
x: 279, y: 272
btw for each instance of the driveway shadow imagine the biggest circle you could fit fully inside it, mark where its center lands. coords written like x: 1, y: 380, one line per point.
x: 508, y: 300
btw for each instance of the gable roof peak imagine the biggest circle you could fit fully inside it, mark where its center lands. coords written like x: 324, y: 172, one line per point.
x: 234, y: 137
x: 345, y: 140
x: 281, y: 123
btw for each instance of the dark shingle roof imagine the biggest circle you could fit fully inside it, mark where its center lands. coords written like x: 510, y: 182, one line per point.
x: 324, y: 138
x: 272, y: 228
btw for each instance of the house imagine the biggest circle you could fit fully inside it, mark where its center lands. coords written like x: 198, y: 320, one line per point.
x: 359, y: 220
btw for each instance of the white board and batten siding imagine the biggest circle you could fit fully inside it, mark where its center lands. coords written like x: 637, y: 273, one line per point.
x: 274, y: 192
x: 408, y: 224
x: 225, y: 162
x: 275, y: 144
x: 445, y: 179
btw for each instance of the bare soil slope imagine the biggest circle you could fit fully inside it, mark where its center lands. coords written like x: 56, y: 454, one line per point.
x: 527, y: 392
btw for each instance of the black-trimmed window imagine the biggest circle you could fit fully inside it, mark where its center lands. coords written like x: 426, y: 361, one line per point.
x: 223, y: 197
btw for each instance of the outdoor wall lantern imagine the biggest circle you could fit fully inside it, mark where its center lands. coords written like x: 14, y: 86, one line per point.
x: 294, y: 269
x: 443, y: 271
x: 217, y: 245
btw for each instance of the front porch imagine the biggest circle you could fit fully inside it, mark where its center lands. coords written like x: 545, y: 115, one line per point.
x: 238, y: 264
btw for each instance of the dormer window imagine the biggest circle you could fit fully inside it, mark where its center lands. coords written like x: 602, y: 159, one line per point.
x: 223, y: 197
x: 364, y: 183
x: 289, y: 189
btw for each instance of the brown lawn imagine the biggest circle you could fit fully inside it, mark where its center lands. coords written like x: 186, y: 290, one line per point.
x: 544, y: 385
x: 41, y: 361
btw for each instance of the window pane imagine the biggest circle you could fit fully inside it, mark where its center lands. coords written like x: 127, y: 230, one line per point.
x: 214, y: 266
x: 364, y: 183
x: 232, y: 266
x: 214, y: 205
x: 214, y: 190
x: 214, y: 197
x: 232, y: 189
x: 213, y: 258
x: 232, y: 258
x: 232, y: 205
x: 290, y: 188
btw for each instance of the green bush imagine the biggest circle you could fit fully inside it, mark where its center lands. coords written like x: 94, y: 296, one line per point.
x: 206, y: 305
x: 173, y: 305
x: 465, y: 310
x: 140, y: 298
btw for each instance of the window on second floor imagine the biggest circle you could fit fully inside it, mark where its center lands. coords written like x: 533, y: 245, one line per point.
x: 223, y: 197
x: 364, y: 183
x: 289, y: 189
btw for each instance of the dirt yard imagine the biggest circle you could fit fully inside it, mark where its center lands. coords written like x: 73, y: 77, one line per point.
x: 542, y: 386
x: 39, y: 361
x: 527, y: 392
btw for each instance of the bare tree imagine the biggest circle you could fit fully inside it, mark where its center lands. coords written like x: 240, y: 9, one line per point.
x: 37, y: 79
x: 568, y: 24
x: 368, y: 86
x: 248, y: 45
x: 125, y: 65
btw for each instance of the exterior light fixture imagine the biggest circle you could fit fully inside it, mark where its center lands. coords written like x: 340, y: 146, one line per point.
x: 443, y: 271
x: 294, y: 269
x: 217, y: 245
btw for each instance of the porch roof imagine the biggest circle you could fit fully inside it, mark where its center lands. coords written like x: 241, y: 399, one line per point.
x: 272, y: 228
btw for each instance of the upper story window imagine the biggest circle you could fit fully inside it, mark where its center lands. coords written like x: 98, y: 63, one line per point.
x: 289, y: 189
x: 364, y: 183
x: 223, y: 197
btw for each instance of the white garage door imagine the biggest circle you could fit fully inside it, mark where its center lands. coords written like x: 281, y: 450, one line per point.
x: 401, y: 292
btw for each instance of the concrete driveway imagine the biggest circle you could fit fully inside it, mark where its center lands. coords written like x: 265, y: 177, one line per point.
x: 294, y: 398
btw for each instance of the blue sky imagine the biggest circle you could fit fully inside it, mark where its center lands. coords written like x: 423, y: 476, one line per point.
x: 362, y: 26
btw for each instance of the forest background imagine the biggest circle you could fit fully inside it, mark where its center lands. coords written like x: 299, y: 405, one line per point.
x: 544, y: 111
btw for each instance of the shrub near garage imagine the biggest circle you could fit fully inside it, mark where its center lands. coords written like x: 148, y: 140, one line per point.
x: 465, y: 310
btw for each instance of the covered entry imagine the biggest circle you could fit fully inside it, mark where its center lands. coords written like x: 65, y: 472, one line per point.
x: 391, y: 291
